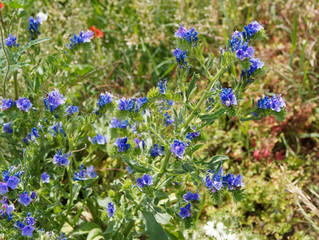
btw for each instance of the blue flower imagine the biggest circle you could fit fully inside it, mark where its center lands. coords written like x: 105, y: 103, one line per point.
x: 189, y: 35
x: 55, y: 99
x: 130, y: 171
x: 139, y: 102
x: 122, y: 144
x: 99, y: 139
x: 84, y: 37
x: 115, y: 123
x: 80, y: 176
x: 6, y: 104
x: 110, y: 209
x: 178, y: 148
x: 71, y: 110
x: 138, y: 143
x: 145, y: 180
x: 104, y: 99
x: 7, y: 128
x: 57, y: 127
x: 245, y: 52
x: 236, y: 41
x: 13, y: 182
x: 27, y: 231
x: 11, y: 41
x: 277, y: 103
x: 255, y: 64
x: 168, y: 119
x: 24, y: 199
x: 156, y: 151
x: 252, y: 29
x: 30, y: 220
x: 192, y: 135
x: 90, y: 172
x: 33, y: 195
x: 34, y: 27
x: 45, y: 178
x: 264, y: 103
x: 238, y: 182
x: 185, y: 211
x: 162, y: 86
x: 124, y: 104
x: 180, y: 57
x: 227, y: 97
x: 24, y: 104
x: 61, y: 159
x: 189, y: 196
x: 3, y: 188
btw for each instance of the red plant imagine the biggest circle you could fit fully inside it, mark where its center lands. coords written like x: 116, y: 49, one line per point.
x: 97, y: 32
x: 1, y: 5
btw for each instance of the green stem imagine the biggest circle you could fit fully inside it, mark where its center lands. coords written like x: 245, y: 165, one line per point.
x: 7, y: 58
x: 213, y: 80
x: 70, y: 198
x: 16, y: 85
x: 157, y: 135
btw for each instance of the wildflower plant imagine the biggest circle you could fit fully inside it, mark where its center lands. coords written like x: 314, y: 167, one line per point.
x: 51, y: 174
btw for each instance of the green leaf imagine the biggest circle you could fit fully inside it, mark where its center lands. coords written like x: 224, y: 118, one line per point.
x: 153, y: 228
x: 163, y: 218
x: 95, y: 234
x: 35, y: 42
x: 85, y: 228
x: 18, y: 3
x: 191, y: 86
x: 216, y: 161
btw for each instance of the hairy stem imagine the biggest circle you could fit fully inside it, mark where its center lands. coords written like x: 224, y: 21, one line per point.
x: 7, y: 58
x: 70, y: 198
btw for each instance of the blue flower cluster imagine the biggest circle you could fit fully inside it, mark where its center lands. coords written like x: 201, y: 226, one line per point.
x: 33, y: 27
x: 45, y: 178
x: 6, y: 104
x: 110, y: 209
x: 185, y: 211
x: 105, y: 98
x: 189, y: 35
x: 27, y: 230
x: 70, y: 110
x: 6, y: 209
x: 25, y: 199
x: 24, y: 104
x: 9, y: 181
x: 192, y: 135
x: 227, y: 97
x: 180, y: 57
x: 189, y: 196
x: 252, y: 28
x: 275, y: 103
x: 156, y: 151
x: 98, y: 139
x: 122, y: 145
x: 57, y: 128
x: 178, y: 148
x: 11, y: 41
x: 7, y: 128
x: 116, y: 123
x: 84, y: 174
x: 139, y: 143
x: 131, y: 104
x: 55, y: 99
x: 162, y: 86
x: 145, y: 180
x: 219, y: 180
x: 84, y: 37
x: 61, y: 159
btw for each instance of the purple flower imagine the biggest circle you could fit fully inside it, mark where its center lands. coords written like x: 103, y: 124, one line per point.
x: 24, y: 199
x: 145, y: 180
x: 6, y: 104
x: 245, y: 52
x: 55, y: 99
x: 24, y: 104
x: 125, y: 104
x: 61, y: 159
x: 156, y: 151
x: 115, y: 123
x: 139, y: 102
x: 11, y: 41
x: 99, y: 139
x: 253, y: 28
x: 130, y: 171
x: 181, y: 31
x: 162, y: 86
x: 71, y: 110
x: 110, y: 209
x: 276, y: 104
x: 104, y: 99
x: 13, y: 182
x: 227, y: 97
x: 57, y: 127
x: 122, y: 144
x: 45, y: 178
x: 84, y: 37
x: 192, y: 135
x: 185, y: 211
x: 180, y: 57
x: 178, y: 148
x: 255, y: 64
x: 138, y: 142
x: 7, y: 128
x: 189, y: 196
x: 238, y: 182
x: 3, y: 188
x: 27, y: 231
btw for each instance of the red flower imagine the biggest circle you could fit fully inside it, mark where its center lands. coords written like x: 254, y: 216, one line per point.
x: 1, y: 5
x: 97, y: 32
